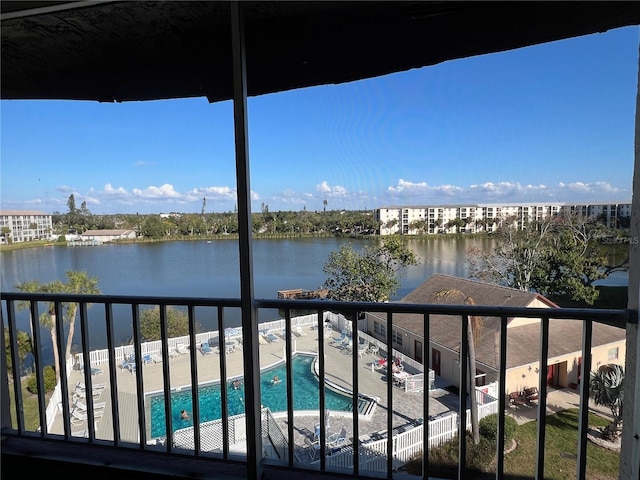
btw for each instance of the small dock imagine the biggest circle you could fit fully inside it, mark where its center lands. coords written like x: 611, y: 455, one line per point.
x: 302, y: 294
x: 84, y: 243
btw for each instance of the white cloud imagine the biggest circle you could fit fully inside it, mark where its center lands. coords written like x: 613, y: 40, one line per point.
x: 165, y: 191
x: 115, y: 192
x: 325, y: 189
x: 418, y: 193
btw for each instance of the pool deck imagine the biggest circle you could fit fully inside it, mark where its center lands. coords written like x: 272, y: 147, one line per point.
x: 407, y: 406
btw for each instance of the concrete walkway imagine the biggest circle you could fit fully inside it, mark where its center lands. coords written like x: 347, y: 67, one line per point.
x: 557, y: 400
x: 407, y: 406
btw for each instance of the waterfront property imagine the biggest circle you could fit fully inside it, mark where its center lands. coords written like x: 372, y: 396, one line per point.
x: 84, y: 51
x: 24, y: 226
x: 523, y: 368
x: 475, y: 218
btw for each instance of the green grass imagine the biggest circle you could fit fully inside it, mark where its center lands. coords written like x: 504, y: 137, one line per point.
x: 560, y: 450
x: 23, y: 245
x: 560, y: 463
x: 29, y: 407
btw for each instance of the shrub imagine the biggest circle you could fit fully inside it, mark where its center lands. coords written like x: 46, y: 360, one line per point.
x: 488, y: 427
x: 49, y: 381
x: 443, y: 460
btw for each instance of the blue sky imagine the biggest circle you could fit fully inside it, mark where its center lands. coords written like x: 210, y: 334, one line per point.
x: 552, y: 122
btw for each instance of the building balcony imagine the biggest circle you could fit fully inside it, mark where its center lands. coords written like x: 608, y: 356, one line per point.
x: 242, y: 423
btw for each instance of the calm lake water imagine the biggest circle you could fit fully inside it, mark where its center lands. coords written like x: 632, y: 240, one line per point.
x: 201, y: 269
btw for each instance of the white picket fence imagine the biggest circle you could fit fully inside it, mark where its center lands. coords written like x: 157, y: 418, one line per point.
x: 372, y: 456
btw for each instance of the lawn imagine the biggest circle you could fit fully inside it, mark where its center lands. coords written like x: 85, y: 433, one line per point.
x: 561, y: 441
x: 560, y: 450
x: 29, y: 406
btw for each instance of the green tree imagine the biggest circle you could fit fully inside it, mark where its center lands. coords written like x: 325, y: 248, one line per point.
x: 77, y: 283
x: 556, y: 257
x: 71, y: 203
x: 474, y: 327
x: 177, y: 323
x: 6, y: 233
x: 24, y: 345
x: 606, y: 386
x: 153, y: 227
x: 48, y: 318
x: 369, y: 275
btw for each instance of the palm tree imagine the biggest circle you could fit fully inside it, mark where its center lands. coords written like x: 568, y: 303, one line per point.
x: 48, y: 318
x: 474, y: 324
x: 607, y: 389
x: 78, y: 283
x: 31, y: 286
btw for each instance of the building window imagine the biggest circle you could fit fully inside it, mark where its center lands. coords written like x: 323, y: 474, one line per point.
x: 378, y: 329
x: 612, y: 354
x: 396, y: 338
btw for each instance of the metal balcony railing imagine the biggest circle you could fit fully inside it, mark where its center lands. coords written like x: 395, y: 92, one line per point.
x: 131, y: 390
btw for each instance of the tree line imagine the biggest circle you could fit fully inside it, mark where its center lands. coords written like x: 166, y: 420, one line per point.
x: 180, y: 225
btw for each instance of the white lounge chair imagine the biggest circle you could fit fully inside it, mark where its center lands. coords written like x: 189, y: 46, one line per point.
x: 82, y: 395
x: 297, y: 330
x: 338, y: 439
x: 78, y: 418
x: 181, y: 349
x: 80, y: 406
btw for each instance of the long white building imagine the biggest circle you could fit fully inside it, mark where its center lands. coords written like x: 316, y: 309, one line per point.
x: 24, y: 226
x: 475, y: 218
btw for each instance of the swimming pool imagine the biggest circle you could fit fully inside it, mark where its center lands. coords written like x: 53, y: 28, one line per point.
x: 305, y: 397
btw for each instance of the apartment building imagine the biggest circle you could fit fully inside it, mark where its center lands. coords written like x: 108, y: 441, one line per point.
x: 476, y: 218
x: 24, y: 226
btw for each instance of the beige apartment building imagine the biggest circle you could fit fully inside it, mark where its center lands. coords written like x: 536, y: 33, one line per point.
x: 523, y: 365
x: 24, y: 226
x: 476, y: 218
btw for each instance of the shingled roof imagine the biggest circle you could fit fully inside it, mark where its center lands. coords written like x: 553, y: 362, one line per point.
x: 565, y: 336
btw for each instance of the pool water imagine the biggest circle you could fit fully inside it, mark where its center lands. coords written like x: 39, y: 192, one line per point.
x: 305, y: 397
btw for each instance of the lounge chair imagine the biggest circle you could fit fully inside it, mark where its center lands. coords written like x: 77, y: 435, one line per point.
x: 298, y: 332
x: 336, y: 440
x: 205, y: 349
x: 80, y: 406
x: 96, y: 387
x: 82, y: 394
x: 78, y: 418
x: 337, y: 342
x: 181, y: 349
x: 271, y: 338
x: 128, y: 365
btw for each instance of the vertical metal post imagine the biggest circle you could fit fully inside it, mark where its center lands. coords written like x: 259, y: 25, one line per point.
x: 542, y: 397
x: 502, y: 381
x: 583, y: 418
x: 249, y: 314
x: 464, y: 378
x: 426, y: 387
x: 630, y: 453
